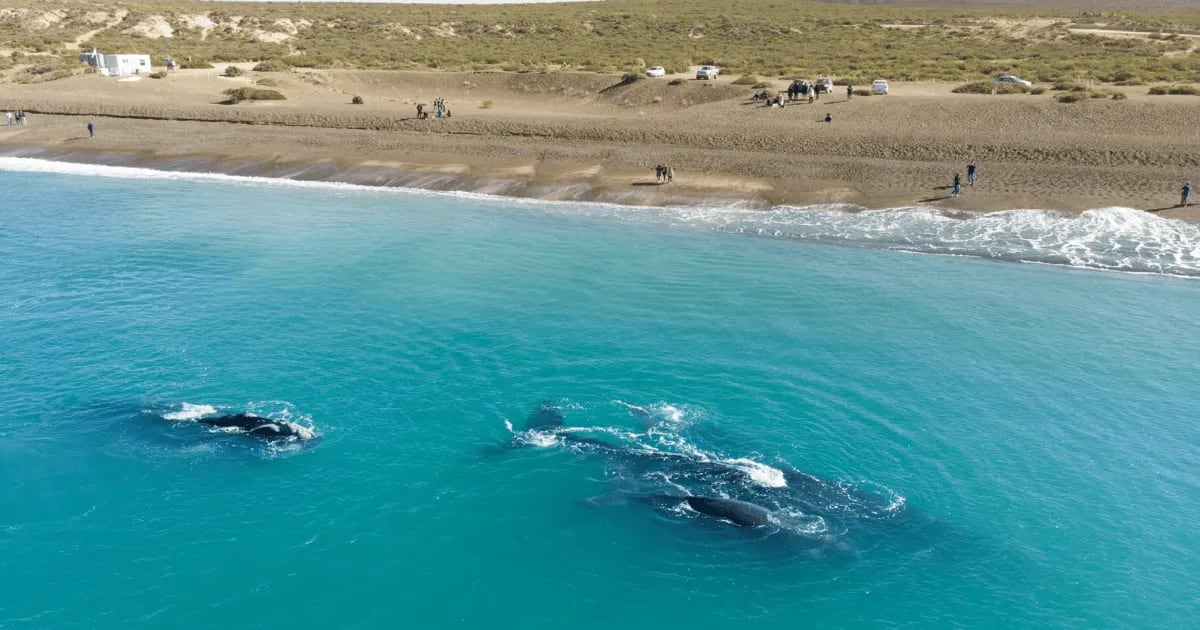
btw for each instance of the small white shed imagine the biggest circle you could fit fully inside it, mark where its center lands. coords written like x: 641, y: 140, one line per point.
x: 122, y: 65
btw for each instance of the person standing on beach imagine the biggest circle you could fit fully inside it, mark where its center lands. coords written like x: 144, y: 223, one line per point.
x: 7, y: 119
x: 971, y: 173
x: 1184, y: 192
x: 670, y: 174
x: 849, y: 91
x: 91, y: 130
x: 957, y: 186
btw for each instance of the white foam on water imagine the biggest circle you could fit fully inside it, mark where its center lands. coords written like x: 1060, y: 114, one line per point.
x: 188, y: 411
x: 1112, y: 238
x: 761, y: 474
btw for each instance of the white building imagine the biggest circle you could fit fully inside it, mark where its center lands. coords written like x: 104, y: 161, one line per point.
x: 117, y: 65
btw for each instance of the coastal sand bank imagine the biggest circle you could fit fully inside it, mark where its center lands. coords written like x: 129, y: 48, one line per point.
x: 586, y: 137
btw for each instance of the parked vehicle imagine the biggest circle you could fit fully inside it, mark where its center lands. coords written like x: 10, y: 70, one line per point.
x: 656, y: 71
x: 879, y: 86
x: 708, y: 72
x: 1008, y: 78
x: 825, y: 84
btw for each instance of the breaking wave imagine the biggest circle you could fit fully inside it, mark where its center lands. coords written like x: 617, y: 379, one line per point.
x: 1112, y: 239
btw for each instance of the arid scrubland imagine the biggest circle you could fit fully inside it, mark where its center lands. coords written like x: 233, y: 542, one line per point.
x: 773, y: 38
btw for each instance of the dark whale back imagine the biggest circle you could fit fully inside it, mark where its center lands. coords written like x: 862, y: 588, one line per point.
x: 239, y: 420
x: 256, y: 426
x: 739, y: 513
x: 548, y: 415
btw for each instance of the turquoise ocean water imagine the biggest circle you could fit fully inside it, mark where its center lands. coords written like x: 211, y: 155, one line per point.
x: 942, y: 440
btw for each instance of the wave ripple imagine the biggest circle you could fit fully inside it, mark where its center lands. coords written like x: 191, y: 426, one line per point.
x: 1116, y: 239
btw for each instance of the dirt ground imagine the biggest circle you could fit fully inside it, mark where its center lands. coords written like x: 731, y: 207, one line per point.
x: 588, y: 136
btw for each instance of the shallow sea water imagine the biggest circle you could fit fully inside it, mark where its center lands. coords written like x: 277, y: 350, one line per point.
x: 1013, y: 444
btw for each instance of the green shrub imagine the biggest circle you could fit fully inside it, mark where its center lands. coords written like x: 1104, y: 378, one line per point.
x: 1119, y: 96
x: 266, y: 82
x: 746, y: 79
x: 273, y: 65
x: 161, y: 74
x: 357, y: 100
x: 1070, y: 97
x: 194, y: 64
x: 486, y: 105
x: 1176, y: 90
x: 1068, y: 86
x: 237, y: 95
x: 676, y: 82
x: 760, y: 85
x: 862, y: 92
x: 233, y: 71
x: 985, y: 87
x: 1038, y: 90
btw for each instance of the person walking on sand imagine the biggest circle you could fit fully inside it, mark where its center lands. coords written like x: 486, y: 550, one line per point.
x: 91, y: 130
x: 971, y: 173
x: 7, y: 119
x: 849, y: 91
x: 670, y: 174
x: 957, y: 186
x: 1184, y: 192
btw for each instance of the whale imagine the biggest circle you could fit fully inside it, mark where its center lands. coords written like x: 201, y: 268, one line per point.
x: 259, y: 427
x: 740, y: 513
x: 730, y: 490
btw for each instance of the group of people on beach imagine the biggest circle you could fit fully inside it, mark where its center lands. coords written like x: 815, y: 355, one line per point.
x: 14, y: 118
x: 798, y: 90
x: 439, y: 109
x: 664, y: 174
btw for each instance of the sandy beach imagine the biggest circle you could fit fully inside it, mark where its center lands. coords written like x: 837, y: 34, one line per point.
x: 587, y: 136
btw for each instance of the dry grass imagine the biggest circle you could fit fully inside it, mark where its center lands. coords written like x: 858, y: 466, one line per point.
x: 749, y: 36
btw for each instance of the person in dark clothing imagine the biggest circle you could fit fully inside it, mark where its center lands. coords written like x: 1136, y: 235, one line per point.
x: 971, y: 173
x: 849, y: 91
x: 91, y: 130
x: 1185, y: 192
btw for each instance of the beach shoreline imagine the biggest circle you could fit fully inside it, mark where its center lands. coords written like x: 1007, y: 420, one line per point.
x: 886, y: 152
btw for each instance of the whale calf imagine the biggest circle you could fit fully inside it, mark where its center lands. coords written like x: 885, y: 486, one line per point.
x: 261, y: 427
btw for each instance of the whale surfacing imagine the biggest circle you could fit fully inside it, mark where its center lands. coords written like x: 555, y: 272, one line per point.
x: 740, y: 513
x: 261, y: 427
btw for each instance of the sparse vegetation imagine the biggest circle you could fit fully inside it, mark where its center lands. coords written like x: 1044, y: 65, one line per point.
x: 750, y: 36
x: 862, y: 92
x: 268, y: 82
x: 486, y: 105
x: 233, y: 71
x: 237, y: 95
x: 1175, y: 90
x: 199, y: 63
x: 986, y: 87
x: 160, y: 74
x: 357, y: 100
x: 747, y: 79
x: 676, y: 82
x: 273, y: 65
